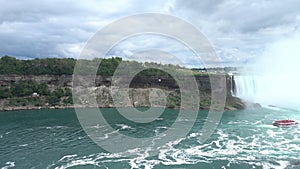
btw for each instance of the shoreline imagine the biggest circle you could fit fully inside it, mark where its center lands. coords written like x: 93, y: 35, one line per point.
x: 17, y: 108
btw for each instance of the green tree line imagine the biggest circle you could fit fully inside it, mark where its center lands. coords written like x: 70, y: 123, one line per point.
x: 65, y: 66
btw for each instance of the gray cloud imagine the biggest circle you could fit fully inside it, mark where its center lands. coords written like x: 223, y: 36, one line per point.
x: 239, y: 30
x: 51, y: 29
x: 241, y: 16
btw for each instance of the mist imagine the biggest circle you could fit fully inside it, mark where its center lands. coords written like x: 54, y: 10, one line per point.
x: 279, y: 68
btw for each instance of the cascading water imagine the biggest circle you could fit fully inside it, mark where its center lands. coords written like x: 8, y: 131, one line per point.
x: 247, y: 87
x: 267, y: 90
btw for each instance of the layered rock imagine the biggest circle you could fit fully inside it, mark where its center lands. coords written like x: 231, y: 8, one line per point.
x: 143, y: 91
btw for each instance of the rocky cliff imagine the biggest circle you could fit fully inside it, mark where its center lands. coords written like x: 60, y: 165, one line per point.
x: 143, y: 91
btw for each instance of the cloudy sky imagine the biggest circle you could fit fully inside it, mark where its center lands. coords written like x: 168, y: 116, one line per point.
x: 240, y: 31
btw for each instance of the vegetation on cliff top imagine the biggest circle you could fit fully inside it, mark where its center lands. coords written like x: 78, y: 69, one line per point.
x: 65, y: 66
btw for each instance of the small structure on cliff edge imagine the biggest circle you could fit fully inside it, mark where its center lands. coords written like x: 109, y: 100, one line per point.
x: 35, y: 94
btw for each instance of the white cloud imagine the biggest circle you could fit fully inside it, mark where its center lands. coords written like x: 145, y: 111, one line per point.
x: 239, y: 30
x: 249, y: 26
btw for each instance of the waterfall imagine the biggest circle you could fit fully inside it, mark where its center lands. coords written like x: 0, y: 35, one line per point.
x: 267, y: 90
x: 248, y: 87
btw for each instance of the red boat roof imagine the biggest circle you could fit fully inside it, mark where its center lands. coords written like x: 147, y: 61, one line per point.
x: 285, y: 123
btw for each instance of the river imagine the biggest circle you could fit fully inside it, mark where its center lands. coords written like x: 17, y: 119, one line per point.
x: 243, y: 139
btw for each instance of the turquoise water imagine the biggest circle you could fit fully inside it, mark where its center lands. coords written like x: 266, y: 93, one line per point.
x: 243, y: 139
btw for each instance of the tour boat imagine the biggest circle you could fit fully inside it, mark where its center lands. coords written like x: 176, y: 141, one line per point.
x: 285, y: 123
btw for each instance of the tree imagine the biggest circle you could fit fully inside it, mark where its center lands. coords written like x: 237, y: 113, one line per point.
x: 43, y: 89
x: 4, y: 92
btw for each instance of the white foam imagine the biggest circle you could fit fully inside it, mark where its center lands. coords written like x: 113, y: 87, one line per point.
x: 72, y: 160
x: 23, y: 145
x: 9, y: 164
x: 78, y: 163
x: 56, y: 127
x: 68, y: 157
x: 97, y: 126
x: 193, y: 135
x: 229, y: 144
x: 271, y: 133
x: 124, y: 126
x: 282, y: 165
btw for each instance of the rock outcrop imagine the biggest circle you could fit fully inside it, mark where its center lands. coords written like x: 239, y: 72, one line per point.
x: 142, y: 91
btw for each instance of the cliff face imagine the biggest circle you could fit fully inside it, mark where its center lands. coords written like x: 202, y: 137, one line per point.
x: 163, y: 90
x: 137, y: 82
x: 51, y: 80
